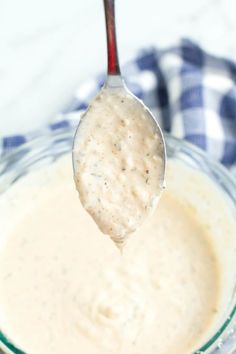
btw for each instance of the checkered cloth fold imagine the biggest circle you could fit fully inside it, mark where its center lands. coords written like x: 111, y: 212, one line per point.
x: 192, y: 94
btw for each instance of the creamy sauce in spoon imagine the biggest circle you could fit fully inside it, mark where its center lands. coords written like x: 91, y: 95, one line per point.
x: 119, y: 167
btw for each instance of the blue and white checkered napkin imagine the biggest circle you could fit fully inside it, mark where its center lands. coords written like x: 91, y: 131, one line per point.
x: 192, y: 93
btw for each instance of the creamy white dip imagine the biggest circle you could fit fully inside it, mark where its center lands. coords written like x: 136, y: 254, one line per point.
x: 118, y: 159
x: 65, y: 288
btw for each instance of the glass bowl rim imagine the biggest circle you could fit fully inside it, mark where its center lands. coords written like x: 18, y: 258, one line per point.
x: 67, y: 133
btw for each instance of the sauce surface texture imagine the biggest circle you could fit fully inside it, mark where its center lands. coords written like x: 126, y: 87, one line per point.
x: 64, y: 287
x: 119, y: 169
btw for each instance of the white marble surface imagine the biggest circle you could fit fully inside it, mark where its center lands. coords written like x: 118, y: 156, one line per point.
x: 48, y: 47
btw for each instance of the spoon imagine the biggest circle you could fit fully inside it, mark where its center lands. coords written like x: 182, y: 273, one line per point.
x: 119, y: 154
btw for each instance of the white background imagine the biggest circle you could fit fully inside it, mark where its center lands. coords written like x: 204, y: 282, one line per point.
x: 47, y: 47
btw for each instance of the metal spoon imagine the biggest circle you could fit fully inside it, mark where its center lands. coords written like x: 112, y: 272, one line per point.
x: 115, y: 83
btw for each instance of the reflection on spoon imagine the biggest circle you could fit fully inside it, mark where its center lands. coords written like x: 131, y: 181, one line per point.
x: 119, y: 153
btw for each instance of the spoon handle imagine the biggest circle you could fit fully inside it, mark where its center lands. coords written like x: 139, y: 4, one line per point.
x: 112, y: 54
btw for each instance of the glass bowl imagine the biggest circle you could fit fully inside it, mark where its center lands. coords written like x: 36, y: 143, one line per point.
x: 46, y: 149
